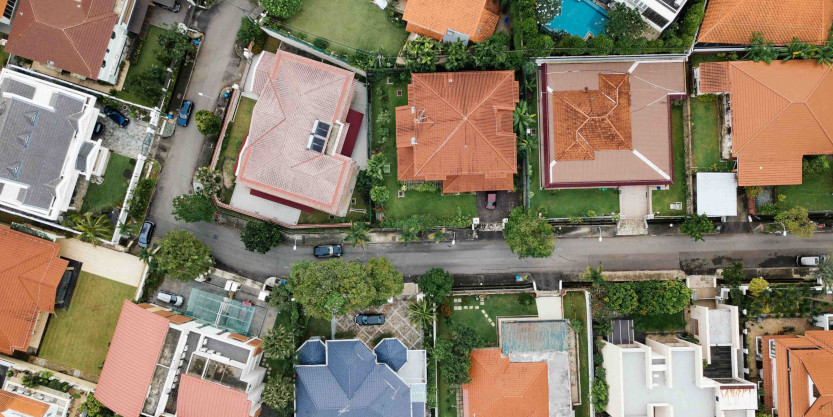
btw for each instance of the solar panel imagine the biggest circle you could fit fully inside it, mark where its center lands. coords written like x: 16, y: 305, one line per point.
x: 322, y: 130
x: 317, y: 148
x: 318, y: 141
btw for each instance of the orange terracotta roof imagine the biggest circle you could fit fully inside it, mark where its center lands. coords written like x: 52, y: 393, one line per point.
x: 734, y: 21
x: 72, y: 34
x: 457, y: 128
x: 499, y: 388
x: 13, y: 402
x: 131, y: 360
x: 30, y: 272
x: 179, y: 319
x: 433, y: 18
x: 778, y: 115
x: 201, y: 398
x: 798, y: 361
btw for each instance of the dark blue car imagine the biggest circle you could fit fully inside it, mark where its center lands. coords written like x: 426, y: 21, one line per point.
x: 116, y: 116
x: 184, y: 113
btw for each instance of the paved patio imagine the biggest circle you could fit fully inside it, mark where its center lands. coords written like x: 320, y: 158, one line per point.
x: 110, y: 264
x: 127, y: 141
x: 396, y: 323
x: 768, y: 327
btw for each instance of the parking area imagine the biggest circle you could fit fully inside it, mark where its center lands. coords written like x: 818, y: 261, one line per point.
x: 128, y: 141
x: 396, y: 324
x: 504, y: 203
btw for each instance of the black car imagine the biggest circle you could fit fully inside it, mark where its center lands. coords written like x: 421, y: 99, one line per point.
x: 98, y: 129
x: 146, y: 234
x: 173, y: 6
x: 370, y: 319
x: 328, y: 251
x: 116, y: 116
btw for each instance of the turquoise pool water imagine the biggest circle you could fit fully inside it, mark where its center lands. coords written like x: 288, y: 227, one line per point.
x: 580, y: 18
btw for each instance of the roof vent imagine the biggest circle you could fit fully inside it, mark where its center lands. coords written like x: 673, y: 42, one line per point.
x: 318, y: 137
x: 14, y: 169
x: 413, y: 109
x: 24, y: 139
x: 413, y: 140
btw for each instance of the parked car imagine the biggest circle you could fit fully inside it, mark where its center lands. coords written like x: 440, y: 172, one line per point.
x: 370, y: 319
x: 170, y: 298
x: 116, y: 116
x: 810, y: 260
x: 146, y: 234
x: 98, y: 129
x: 184, y: 113
x: 491, y: 201
x: 171, y: 5
x: 328, y: 251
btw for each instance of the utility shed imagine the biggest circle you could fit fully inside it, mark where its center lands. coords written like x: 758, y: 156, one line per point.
x: 717, y: 194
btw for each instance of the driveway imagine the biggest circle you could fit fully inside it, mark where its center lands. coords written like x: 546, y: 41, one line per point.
x: 506, y: 201
x: 128, y: 141
x: 396, y: 324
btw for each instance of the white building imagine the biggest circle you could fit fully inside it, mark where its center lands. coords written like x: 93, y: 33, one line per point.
x: 45, y: 144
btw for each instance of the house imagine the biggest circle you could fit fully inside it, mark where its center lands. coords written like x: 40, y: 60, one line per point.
x: 32, y: 401
x: 668, y: 376
x: 14, y: 405
x: 717, y: 194
x: 86, y: 38
x: 528, y: 374
x: 45, y: 144
x: 457, y: 128
x: 733, y: 22
x: 606, y: 122
x: 30, y: 273
x: 775, y: 115
x: 161, y: 362
x: 346, y: 378
x: 796, y: 373
x: 658, y: 14
x: 298, y: 150
x: 8, y: 7
x: 452, y: 20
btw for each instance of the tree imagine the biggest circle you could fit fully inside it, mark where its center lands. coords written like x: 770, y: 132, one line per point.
x: 211, y: 181
x: 492, y: 54
x: 421, y: 313
x: 421, y: 54
x: 624, y: 22
x: 357, y: 236
x: 94, y: 408
x: 92, y: 228
x: 733, y: 276
x: 282, y: 9
x: 148, y: 83
x: 380, y: 194
x: 207, y: 122
x: 816, y: 165
x: 757, y: 286
x: 175, y: 45
x: 595, y: 276
x: 546, y: 10
x: 249, y: 31
x: 600, y: 45
x: 528, y: 235
x: 796, y: 221
x: 260, y: 237
x: 182, y: 256
x: 661, y: 297
x: 279, y: 392
x: 438, y: 235
x: 376, y: 163
x: 192, y: 208
x: 385, y: 278
x: 408, y: 235
x: 572, y: 45
x: 453, y: 353
x: 521, y: 118
x: 436, y: 284
x: 621, y: 298
x: 697, y: 225
x: 760, y: 49
x: 457, y: 56
x: 141, y: 198
x: 824, y: 273
x: 279, y: 343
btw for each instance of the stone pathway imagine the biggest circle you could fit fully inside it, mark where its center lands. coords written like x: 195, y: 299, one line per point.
x: 457, y: 306
x: 396, y: 324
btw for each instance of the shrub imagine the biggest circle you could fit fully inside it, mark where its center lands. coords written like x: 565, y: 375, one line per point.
x: 182, y: 256
x: 526, y: 299
x: 207, y: 122
x: 758, y: 286
x: 379, y: 194
x: 141, y: 198
x: 260, y: 237
x: 191, y: 208
x: 321, y: 43
x: 600, y: 390
x: 249, y: 31
x: 283, y: 9
x: 697, y: 225
x: 436, y: 284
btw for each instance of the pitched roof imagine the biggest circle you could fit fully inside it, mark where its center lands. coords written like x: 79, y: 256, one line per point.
x: 391, y: 352
x: 131, y: 360
x: 501, y: 388
x: 201, y: 398
x: 734, y: 21
x: 607, y: 123
x: 457, y: 128
x: 14, y: 402
x: 433, y: 18
x: 294, y: 93
x: 798, y: 362
x: 30, y: 272
x: 72, y: 34
x: 777, y: 115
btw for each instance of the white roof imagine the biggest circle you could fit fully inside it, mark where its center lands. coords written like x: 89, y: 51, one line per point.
x: 717, y: 193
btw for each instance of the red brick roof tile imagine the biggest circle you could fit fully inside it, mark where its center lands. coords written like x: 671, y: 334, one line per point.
x: 499, y: 388
x: 734, y: 21
x: 13, y: 402
x: 433, y: 18
x: 201, y: 398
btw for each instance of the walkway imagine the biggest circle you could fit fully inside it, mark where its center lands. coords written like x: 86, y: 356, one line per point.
x: 107, y: 263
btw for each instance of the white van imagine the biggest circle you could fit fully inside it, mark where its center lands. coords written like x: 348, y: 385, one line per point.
x: 173, y: 299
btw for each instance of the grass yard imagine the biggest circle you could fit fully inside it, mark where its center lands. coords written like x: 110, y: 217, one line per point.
x: 235, y: 134
x: 111, y: 192
x: 147, y: 58
x: 815, y: 193
x: 676, y: 193
x: 271, y: 44
x: 351, y: 23
x: 317, y: 327
x: 705, y: 135
x: 414, y: 202
x: 659, y: 322
x: 320, y: 217
x: 570, y: 202
x: 575, y: 308
x: 80, y: 337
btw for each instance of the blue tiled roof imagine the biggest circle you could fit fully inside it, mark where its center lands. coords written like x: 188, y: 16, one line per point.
x: 312, y: 352
x: 352, y: 384
x: 523, y: 335
x: 392, y: 352
x: 418, y: 409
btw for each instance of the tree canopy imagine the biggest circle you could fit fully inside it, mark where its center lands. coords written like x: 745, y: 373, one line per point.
x: 182, y: 256
x: 283, y: 9
x: 624, y: 22
x: 528, y: 235
x: 436, y: 284
x: 260, y: 237
x: 697, y: 225
x: 192, y: 208
x: 207, y: 122
x: 796, y: 221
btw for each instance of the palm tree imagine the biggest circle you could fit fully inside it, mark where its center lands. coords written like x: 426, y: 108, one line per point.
x: 357, y: 236
x: 129, y: 228
x: 408, y: 235
x: 521, y: 119
x: 279, y: 392
x: 91, y: 228
x: 438, y: 235
x: 420, y: 313
x: 526, y: 143
x: 375, y: 166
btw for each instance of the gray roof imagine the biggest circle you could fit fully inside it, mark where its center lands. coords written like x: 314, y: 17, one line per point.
x: 312, y: 352
x: 533, y: 335
x: 34, y: 141
x: 392, y: 352
x: 83, y: 153
x: 351, y: 384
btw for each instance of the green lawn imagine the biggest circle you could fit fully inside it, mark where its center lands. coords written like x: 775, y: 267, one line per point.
x: 659, y: 322
x: 677, y: 192
x: 705, y: 135
x: 147, y: 58
x: 414, y: 202
x: 317, y: 327
x: 575, y: 308
x: 570, y: 202
x: 271, y: 44
x: 350, y: 23
x: 235, y: 134
x: 815, y: 193
x: 320, y: 217
x: 80, y: 337
x: 111, y: 192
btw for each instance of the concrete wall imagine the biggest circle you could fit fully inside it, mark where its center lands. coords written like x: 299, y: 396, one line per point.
x: 701, y: 314
x: 613, y: 367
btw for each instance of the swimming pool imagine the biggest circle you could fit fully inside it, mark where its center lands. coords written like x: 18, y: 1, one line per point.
x: 579, y: 17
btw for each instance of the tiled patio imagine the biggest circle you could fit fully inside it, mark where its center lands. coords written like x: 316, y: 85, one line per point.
x: 771, y: 326
x: 396, y: 323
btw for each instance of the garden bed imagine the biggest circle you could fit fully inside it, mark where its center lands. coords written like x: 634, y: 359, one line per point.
x: 235, y: 135
x: 705, y: 135
x: 575, y: 308
x: 147, y: 58
x: 662, y: 199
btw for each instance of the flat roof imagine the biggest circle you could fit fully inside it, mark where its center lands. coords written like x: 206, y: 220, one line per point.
x: 687, y: 399
x: 717, y: 193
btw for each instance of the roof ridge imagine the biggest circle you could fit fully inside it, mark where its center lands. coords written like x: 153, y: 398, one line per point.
x: 488, y: 142
x: 720, y: 20
x: 529, y: 385
x: 775, y: 117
